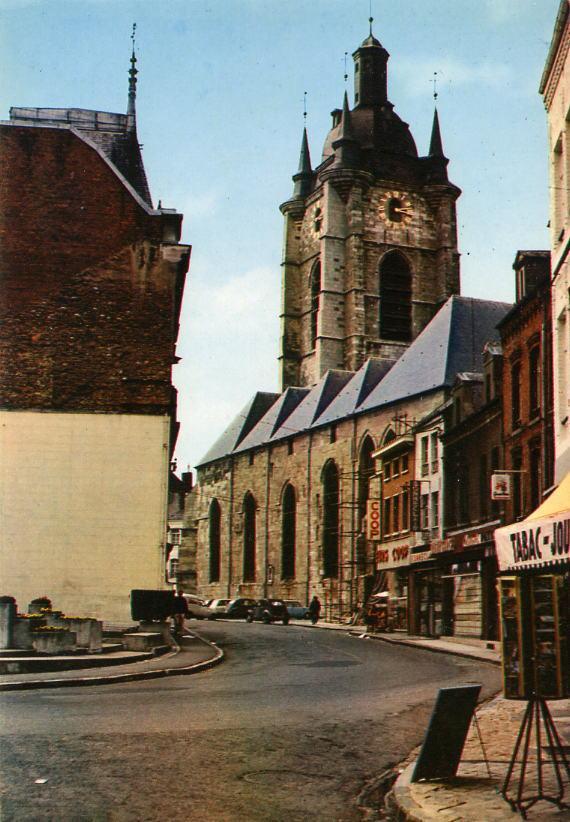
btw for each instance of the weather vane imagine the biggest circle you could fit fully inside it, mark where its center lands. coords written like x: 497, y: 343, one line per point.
x: 133, y: 35
x: 370, y: 18
x: 305, y: 107
x: 434, y: 81
x: 345, y: 69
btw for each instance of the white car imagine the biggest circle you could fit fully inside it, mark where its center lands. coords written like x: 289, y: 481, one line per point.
x: 197, y: 608
x: 218, y: 606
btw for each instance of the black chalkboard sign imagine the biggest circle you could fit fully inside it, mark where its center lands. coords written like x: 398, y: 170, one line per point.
x: 447, y: 730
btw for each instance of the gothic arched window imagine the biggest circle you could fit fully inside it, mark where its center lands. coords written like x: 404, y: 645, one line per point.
x: 215, y: 516
x: 288, y: 533
x: 330, y: 519
x: 395, y: 298
x: 249, y: 538
x: 315, y: 297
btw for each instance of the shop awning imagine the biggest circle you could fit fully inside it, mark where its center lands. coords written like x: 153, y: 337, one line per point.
x: 542, y: 539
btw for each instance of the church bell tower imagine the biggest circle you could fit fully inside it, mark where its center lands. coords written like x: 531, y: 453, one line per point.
x: 370, y: 250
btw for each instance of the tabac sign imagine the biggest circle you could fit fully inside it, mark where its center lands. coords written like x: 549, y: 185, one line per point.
x: 534, y: 543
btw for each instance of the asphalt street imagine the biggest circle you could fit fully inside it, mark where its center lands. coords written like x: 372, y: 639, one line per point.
x: 292, y: 726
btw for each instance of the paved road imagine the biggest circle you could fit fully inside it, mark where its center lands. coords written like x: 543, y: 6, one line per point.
x: 291, y: 727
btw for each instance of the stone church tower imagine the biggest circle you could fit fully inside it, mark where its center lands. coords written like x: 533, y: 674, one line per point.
x: 370, y: 249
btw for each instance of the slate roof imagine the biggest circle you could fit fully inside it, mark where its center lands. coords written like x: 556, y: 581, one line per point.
x: 274, y: 419
x: 452, y: 342
x: 240, y: 426
x: 314, y: 404
x: 355, y: 391
x: 450, y: 345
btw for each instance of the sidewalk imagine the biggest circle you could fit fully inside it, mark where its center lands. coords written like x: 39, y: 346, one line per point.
x: 192, y: 655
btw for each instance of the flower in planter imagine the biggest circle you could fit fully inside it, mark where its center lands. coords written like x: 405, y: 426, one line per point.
x: 49, y: 629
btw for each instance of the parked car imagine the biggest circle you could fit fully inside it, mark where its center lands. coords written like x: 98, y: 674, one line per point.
x: 269, y: 610
x: 295, y: 609
x: 197, y: 608
x: 239, y: 608
x: 218, y: 606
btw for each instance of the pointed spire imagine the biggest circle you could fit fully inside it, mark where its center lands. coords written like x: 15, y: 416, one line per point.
x: 436, y: 145
x: 131, y: 110
x: 303, y: 177
x: 346, y: 145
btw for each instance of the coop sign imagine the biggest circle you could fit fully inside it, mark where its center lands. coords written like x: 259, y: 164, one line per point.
x: 373, y: 519
x: 393, y: 556
x: 534, y: 543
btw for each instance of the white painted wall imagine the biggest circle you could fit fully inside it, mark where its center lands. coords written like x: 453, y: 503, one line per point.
x: 83, y: 501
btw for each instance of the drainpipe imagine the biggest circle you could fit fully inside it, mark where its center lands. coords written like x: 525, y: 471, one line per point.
x: 309, y: 498
x: 266, y: 541
x: 230, y: 528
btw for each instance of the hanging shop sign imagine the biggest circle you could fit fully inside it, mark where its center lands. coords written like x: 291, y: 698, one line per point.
x: 534, y: 543
x: 392, y: 556
x: 500, y: 486
x: 441, y: 546
x: 373, y: 519
x: 415, y: 503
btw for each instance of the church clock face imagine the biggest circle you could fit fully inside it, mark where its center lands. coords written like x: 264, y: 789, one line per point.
x: 396, y: 207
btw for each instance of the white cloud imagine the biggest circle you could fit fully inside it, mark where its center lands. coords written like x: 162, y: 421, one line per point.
x: 501, y: 11
x: 417, y: 72
x: 198, y: 205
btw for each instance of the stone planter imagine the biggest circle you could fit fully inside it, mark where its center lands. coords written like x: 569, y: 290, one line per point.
x: 23, y: 632
x: 53, y: 618
x: 37, y: 604
x: 7, y: 619
x: 54, y: 642
x: 88, y: 632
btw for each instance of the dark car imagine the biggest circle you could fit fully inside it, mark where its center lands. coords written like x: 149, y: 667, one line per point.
x: 239, y: 608
x: 269, y: 610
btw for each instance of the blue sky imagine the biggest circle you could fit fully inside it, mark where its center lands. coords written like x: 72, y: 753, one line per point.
x: 220, y: 101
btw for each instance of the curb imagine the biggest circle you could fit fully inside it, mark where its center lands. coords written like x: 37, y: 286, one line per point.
x: 432, y: 648
x: 113, y: 679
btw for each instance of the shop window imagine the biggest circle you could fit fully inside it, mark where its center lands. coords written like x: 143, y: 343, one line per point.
x: 534, y: 381
x: 214, y: 517
x: 396, y: 514
x: 288, y: 533
x: 395, y: 298
x: 405, y: 510
x: 425, y: 456
x: 424, y: 512
x: 249, y: 538
x: 535, y: 464
x: 387, y: 528
x: 516, y: 394
x: 495, y: 465
x: 483, y: 487
x: 518, y: 507
x: 435, y: 509
x: 434, y: 454
x: 330, y: 519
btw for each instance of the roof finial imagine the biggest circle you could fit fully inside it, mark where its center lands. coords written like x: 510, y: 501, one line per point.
x: 370, y: 19
x: 345, y: 69
x: 131, y: 112
x: 305, y: 108
x: 434, y: 81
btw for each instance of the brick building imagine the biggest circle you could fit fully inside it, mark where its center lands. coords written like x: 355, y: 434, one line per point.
x: 555, y: 90
x: 526, y: 338
x: 92, y: 282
